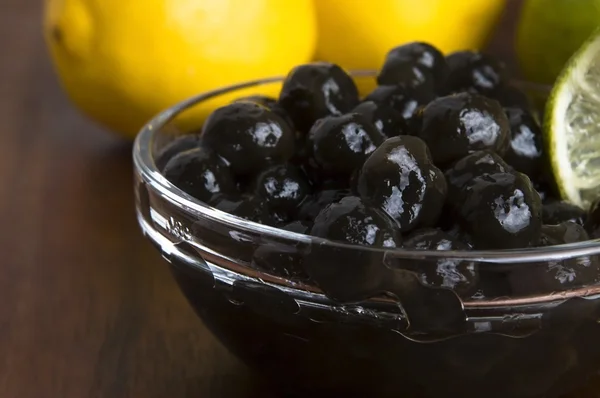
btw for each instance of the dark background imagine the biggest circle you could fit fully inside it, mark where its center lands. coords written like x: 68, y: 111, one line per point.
x: 87, y: 307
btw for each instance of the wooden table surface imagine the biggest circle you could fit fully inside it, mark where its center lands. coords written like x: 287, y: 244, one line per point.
x: 87, y: 307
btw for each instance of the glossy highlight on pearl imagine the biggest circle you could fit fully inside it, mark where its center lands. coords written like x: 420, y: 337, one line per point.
x: 249, y: 136
x: 200, y: 173
x: 283, y: 187
x: 340, y: 144
x: 316, y: 90
x: 401, y: 97
x: 350, y: 220
x: 456, y: 125
x: 525, y: 149
x: 400, y: 178
x: 501, y: 211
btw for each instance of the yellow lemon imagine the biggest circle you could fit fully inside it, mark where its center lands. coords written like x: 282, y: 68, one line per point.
x: 122, y: 61
x: 357, y: 34
x: 549, y: 33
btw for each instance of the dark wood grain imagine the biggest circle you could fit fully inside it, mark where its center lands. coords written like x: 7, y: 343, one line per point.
x: 87, y: 307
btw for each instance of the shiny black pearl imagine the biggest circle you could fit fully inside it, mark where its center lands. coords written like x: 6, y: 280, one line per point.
x: 179, y: 144
x: 285, y: 260
x: 282, y: 186
x: 200, y: 173
x: 397, y: 71
x: 464, y: 171
x: 456, y: 125
x: 402, y: 98
x: 310, y: 208
x: 592, y: 223
x: 413, y: 64
x: 400, y: 178
x: 557, y: 275
x: 561, y: 233
x: 347, y: 274
x: 525, y: 149
x: 270, y: 103
x: 474, y: 72
x: 557, y: 212
x: 316, y: 90
x: 340, y: 144
x: 248, y: 136
x: 250, y: 208
x: 501, y: 211
x: 280, y: 260
x: 351, y: 221
x: 388, y: 121
x: 460, y: 276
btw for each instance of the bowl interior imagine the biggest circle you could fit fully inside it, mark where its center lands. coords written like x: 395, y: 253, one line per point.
x: 226, y: 245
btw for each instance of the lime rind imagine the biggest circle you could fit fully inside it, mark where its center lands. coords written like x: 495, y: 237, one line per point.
x: 572, y: 125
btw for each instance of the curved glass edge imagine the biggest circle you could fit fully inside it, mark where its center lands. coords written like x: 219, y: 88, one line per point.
x: 499, y: 317
x: 144, y: 164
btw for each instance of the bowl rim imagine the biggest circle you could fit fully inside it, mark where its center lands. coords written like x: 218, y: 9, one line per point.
x: 144, y: 163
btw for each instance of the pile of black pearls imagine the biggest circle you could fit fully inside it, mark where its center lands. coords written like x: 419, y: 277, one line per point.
x: 444, y: 154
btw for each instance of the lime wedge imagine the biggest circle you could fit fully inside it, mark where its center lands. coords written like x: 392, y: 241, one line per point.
x: 572, y: 125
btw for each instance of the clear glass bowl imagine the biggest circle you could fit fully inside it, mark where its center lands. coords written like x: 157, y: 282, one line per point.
x: 371, y: 325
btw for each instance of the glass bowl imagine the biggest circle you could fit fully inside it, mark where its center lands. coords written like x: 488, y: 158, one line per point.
x: 368, y: 322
